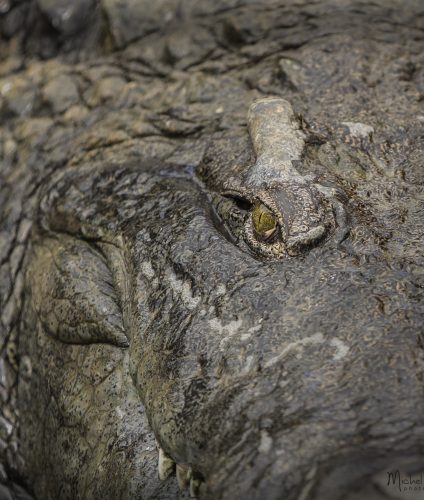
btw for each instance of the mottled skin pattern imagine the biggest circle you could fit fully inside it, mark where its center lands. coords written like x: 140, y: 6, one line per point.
x: 142, y: 306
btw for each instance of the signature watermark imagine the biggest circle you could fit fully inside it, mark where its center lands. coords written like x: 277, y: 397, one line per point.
x: 406, y: 482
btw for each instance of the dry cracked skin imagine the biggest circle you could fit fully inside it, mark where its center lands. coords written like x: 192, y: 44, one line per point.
x: 211, y: 249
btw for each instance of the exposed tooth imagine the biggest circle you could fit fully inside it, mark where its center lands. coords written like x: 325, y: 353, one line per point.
x: 165, y: 466
x: 183, y: 476
x: 189, y: 474
x: 194, y: 487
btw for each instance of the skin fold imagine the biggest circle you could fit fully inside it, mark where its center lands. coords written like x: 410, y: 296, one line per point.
x: 211, y: 249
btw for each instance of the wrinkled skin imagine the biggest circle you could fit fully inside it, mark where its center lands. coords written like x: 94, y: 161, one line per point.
x: 137, y: 313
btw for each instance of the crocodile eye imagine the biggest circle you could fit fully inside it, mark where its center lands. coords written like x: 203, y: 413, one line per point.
x: 264, y: 221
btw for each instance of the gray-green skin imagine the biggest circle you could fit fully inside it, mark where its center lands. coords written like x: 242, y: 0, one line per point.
x: 135, y: 305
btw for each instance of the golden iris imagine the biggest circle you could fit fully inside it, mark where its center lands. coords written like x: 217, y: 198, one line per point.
x: 264, y: 221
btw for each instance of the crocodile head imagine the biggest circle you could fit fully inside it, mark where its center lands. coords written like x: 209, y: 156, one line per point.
x: 272, y: 354
x: 262, y: 378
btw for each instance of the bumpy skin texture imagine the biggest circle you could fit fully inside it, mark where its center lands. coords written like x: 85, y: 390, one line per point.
x: 133, y: 306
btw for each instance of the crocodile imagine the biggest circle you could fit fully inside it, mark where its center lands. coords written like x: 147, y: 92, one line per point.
x: 211, y: 249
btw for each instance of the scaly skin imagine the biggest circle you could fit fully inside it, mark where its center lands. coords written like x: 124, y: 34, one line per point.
x: 140, y: 319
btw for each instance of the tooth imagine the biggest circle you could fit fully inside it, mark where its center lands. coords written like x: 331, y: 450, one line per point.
x: 165, y: 466
x: 183, y: 476
x: 194, y: 487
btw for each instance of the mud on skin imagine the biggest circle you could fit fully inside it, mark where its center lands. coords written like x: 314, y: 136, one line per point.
x: 211, y: 249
